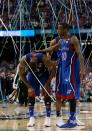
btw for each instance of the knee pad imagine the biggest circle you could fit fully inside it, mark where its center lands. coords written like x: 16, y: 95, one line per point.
x: 31, y: 101
x: 47, y: 101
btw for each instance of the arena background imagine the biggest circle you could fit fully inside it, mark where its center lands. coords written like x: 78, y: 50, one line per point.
x: 26, y: 25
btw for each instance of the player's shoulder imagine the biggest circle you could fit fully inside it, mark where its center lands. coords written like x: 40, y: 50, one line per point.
x: 22, y: 61
x: 53, y: 42
x: 74, y: 37
x: 23, y: 58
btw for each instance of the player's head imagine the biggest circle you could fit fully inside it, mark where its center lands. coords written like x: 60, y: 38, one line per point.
x: 64, y: 29
x: 65, y: 26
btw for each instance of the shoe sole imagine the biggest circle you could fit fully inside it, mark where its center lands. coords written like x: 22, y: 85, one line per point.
x: 30, y: 125
x: 58, y: 125
x: 81, y: 125
x: 74, y: 128
x: 47, y: 126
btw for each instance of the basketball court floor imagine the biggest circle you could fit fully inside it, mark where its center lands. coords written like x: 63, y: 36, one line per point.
x: 13, y: 117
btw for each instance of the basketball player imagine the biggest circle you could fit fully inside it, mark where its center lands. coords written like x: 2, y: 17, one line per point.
x: 44, y: 69
x: 70, y: 69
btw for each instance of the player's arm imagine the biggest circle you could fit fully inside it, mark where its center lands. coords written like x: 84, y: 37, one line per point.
x: 76, y: 45
x: 50, y: 49
x: 52, y: 43
x: 51, y: 65
x: 22, y: 75
x: 52, y: 68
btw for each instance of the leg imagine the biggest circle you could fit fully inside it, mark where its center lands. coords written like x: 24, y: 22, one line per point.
x: 34, y: 83
x: 47, y: 98
x: 58, y: 106
x: 20, y: 94
x: 77, y: 120
x: 25, y: 93
x: 31, y: 111
x: 72, y: 107
x: 71, y: 123
x: 59, y: 120
x: 47, y: 101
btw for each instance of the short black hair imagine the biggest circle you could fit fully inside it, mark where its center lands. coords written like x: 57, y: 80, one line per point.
x: 65, y: 26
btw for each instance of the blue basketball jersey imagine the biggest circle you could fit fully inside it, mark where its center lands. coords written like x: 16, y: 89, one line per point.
x: 38, y: 68
x: 69, y: 68
x: 41, y: 72
x: 38, y: 55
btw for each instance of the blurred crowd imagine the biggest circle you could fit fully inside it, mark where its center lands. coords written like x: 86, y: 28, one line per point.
x: 7, y: 73
x: 44, y: 13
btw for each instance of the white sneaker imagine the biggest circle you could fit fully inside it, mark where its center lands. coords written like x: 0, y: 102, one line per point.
x: 59, y: 121
x: 79, y: 122
x: 31, y: 122
x: 47, y: 122
x: 42, y: 99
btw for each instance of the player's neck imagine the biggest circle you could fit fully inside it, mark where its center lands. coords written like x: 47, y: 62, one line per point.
x: 66, y: 36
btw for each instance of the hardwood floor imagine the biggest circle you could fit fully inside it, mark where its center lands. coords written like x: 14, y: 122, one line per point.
x: 10, y: 120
